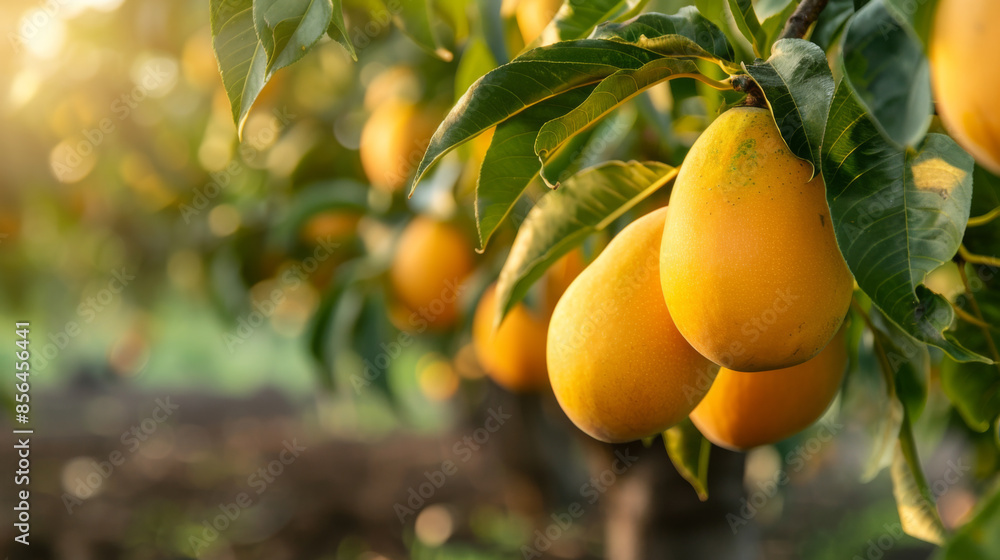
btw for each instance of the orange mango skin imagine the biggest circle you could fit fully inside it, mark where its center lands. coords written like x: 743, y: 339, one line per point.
x: 744, y: 410
x: 617, y: 364
x: 432, y: 260
x: 750, y: 267
x: 393, y: 140
x: 514, y: 354
x: 964, y: 35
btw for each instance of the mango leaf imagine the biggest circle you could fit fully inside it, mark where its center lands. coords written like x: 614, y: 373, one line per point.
x: 920, y: 16
x: 897, y: 215
x: 798, y: 86
x: 476, y: 61
x: 336, y: 194
x: 609, y: 94
x: 774, y: 24
x: 510, y: 163
x: 289, y: 28
x: 686, y: 33
x: 885, y: 63
x: 689, y: 451
x: 715, y: 11
x: 831, y: 22
x: 979, y: 539
x: 914, y: 500
x: 242, y: 58
x: 890, y: 422
x: 587, y: 202
x: 414, y: 18
x: 530, y: 78
x: 974, y: 389
x: 749, y: 25
x: 337, y: 30
x: 577, y: 18
x: 909, y: 364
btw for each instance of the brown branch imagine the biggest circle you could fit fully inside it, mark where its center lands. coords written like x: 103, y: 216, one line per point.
x: 804, y: 16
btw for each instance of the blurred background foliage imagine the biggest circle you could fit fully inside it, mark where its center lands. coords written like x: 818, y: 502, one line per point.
x: 144, y: 241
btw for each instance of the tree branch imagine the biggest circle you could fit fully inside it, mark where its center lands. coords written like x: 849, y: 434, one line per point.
x: 804, y: 16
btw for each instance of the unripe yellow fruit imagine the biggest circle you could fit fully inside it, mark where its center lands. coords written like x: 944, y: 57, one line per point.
x: 432, y: 260
x: 618, y: 366
x: 392, y: 142
x: 965, y: 35
x: 747, y: 409
x: 534, y: 15
x: 514, y: 354
x: 750, y: 267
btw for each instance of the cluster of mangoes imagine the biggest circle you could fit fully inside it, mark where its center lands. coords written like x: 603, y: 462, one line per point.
x: 726, y: 308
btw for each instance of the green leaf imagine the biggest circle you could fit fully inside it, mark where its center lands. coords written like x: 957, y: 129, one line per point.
x: 979, y: 539
x: 909, y: 364
x: 578, y: 18
x: 885, y: 63
x: 831, y: 22
x: 689, y: 451
x: 974, y: 389
x: 749, y: 25
x: 587, y: 202
x: 289, y: 28
x: 897, y: 214
x: 920, y: 16
x: 715, y: 12
x: 914, y: 500
x: 414, y: 18
x: 611, y: 93
x: 798, y: 86
x: 775, y: 24
x: 511, y: 164
x: 686, y: 34
x: 336, y: 194
x: 242, y: 58
x: 476, y: 61
x: 337, y: 30
x: 532, y: 77
x: 891, y: 419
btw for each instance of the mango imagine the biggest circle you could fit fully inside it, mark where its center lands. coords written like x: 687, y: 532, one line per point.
x: 432, y: 260
x: 617, y: 364
x: 513, y: 355
x: 744, y: 410
x: 964, y: 33
x: 750, y: 267
x: 393, y: 140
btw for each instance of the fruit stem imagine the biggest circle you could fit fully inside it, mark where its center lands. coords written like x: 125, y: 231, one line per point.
x: 973, y: 258
x: 804, y: 16
x: 744, y: 84
x: 985, y: 218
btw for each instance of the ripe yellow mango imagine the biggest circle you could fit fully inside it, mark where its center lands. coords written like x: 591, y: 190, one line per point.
x: 750, y: 267
x: 392, y: 143
x: 618, y: 366
x: 432, y: 260
x: 964, y: 35
x: 514, y: 354
x: 534, y: 15
x: 747, y: 409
